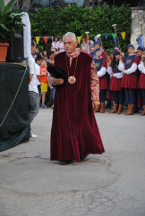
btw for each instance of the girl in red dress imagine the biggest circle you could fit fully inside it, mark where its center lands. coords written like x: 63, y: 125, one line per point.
x: 115, y: 83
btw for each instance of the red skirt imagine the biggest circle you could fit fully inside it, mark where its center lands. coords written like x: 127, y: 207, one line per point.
x: 103, y: 82
x: 129, y: 81
x: 141, y: 83
x: 115, y: 84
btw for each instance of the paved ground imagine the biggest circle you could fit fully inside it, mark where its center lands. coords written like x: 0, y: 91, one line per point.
x: 109, y: 185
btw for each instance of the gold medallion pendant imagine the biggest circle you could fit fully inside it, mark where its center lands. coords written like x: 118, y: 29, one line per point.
x: 71, y: 79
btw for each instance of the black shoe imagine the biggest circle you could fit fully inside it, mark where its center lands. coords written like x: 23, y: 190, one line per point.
x: 66, y: 162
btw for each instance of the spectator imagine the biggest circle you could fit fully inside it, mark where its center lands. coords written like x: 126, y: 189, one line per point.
x: 44, y: 86
x: 33, y: 90
x: 84, y: 45
x: 44, y: 55
x: 38, y: 62
x: 60, y: 46
x: 54, y: 44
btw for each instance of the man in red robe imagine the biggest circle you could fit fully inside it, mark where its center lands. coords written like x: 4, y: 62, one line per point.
x: 74, y: 133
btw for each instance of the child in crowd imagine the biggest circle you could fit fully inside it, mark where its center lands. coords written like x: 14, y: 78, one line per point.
x: 44, y: 86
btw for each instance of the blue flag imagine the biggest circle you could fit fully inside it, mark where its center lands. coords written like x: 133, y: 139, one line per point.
x: 140, y: 41
x: 116, y: 42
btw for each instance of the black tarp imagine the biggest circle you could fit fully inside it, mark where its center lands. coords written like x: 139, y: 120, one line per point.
x: 14, y: 121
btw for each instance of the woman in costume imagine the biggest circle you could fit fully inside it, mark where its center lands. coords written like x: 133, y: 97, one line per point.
x: 129, y: 80
x: 115, y: 83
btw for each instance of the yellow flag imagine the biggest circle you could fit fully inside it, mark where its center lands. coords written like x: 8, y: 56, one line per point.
x: 123, y: 34
x: 79, y: 39
x: 37, y: 40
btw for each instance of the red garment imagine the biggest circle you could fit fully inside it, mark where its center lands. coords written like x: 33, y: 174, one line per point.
x: 141, y: 83
x: 103, y: 79
x: 74, y: 130
x: 103, y: 82
x: 130, y: 80
x: 115, y: 84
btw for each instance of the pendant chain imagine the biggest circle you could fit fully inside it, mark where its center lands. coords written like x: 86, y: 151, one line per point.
x: 75, y: 66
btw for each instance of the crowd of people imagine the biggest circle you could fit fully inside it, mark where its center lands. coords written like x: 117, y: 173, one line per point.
x: 120, y: 77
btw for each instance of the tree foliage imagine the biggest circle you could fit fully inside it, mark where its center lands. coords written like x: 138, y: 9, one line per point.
x: 56, y: 22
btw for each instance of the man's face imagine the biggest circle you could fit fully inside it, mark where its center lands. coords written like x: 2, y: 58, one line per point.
x: 33, y: 49
x: 98, y: 54
x: 70, y: 45
x: 83, y: 41
x: 52, y: 56
x: 139, y: 52
x: 130, y: 50
x: 37, y: 50
x: 39, y: 62
x: 96, y: 46
x: 108, y: 58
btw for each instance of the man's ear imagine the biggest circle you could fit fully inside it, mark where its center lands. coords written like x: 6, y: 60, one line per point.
x: 76, y: 43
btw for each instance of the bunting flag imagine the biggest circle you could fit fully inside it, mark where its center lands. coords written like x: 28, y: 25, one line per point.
x: 37, y: 40
x: 106, y: 36
x: 87, y: 38
x: 123, y: 34
x: 140, y: 41
x: 114, y: 35
x: 79, y: 39
x: 45, y: 39
x: 96, y: 39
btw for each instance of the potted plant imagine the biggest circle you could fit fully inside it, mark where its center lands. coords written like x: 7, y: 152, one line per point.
x: 8, y: 25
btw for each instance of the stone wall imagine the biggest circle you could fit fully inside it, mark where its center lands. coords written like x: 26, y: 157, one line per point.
x: 138, y: 15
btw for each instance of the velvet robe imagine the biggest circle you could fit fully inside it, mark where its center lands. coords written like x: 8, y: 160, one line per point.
x: 74, y: 132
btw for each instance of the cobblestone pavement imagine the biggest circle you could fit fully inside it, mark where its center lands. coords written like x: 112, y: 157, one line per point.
x: 112, y: 184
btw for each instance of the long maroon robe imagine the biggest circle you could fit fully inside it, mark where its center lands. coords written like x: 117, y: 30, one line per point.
x: 74, y: 130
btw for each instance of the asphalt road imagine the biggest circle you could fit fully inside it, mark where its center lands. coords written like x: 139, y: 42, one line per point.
x: 112, y: 184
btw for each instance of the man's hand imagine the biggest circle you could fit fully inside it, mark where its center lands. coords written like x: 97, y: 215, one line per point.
x: 96, y: 106
x: 58, y: 81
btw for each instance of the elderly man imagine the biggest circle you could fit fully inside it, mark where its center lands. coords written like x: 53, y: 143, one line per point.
x: 75, y: 133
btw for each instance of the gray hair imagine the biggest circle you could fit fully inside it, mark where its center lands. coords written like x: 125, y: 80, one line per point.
x: 70, y: 34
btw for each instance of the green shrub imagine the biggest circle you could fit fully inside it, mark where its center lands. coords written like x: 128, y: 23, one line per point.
x: 56, y: 22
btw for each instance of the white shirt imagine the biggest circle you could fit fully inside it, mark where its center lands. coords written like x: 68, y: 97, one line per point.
x: 33, y: 82
x: 55, y: 45
x: 37, y: 71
